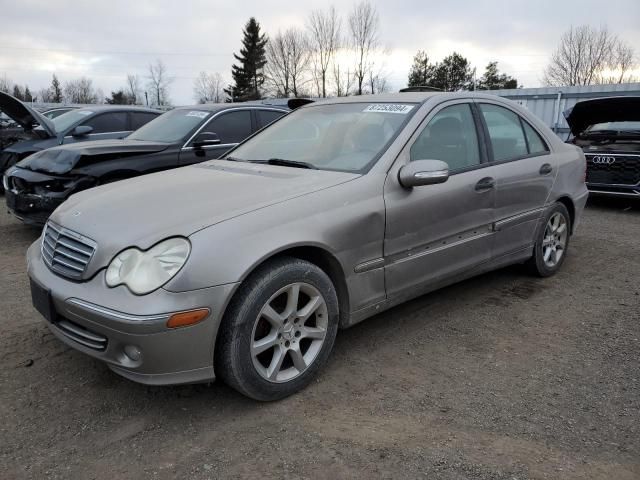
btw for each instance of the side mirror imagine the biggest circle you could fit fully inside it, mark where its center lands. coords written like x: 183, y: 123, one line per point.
x: 81, y: 130
x: 423, y: 172
x: 205, y: 139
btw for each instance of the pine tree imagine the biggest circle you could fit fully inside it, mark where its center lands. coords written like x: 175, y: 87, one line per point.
x: 422, y: 71
x: 248, y: 77
x: 493, y: 80
x: 56, y: 90
x: 17, y: 92
x: 27, y: 94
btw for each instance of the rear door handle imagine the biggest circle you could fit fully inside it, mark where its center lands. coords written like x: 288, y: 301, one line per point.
x: 546, y: 169
x: 484, y: 184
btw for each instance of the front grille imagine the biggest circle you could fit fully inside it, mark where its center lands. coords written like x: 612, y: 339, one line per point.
x: 625, y: 170
x: 83, y: 336
x: 66, y: 252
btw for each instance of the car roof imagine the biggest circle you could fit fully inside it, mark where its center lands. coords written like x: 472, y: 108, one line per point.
x: 215, y: 107
x: 118, y: 108
x: 405, y: 97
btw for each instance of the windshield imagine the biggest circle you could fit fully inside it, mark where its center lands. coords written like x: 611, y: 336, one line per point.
x: 171, y: 126
x: 66, y: 120
x: 617, y: 126
x: 345, y: 137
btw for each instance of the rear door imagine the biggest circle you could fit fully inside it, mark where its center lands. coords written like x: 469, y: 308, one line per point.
x: 266, y: 116
x: 231, y: 126
x: 138, y: 119
x: 525, y: 172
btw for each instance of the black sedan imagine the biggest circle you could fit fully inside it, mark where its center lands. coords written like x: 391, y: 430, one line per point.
x: 78, y: 125
x: 183, y: 136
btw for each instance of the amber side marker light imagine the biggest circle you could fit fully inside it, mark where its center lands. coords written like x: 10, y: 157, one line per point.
x: 184, y: 319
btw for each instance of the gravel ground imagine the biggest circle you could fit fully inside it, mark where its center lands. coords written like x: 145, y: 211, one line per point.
x: 502, y: 376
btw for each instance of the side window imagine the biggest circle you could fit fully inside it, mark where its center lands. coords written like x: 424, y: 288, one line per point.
x: 139, y: 119
x: 108, y: 122
x: 265, y: 117
x: 536, y: 143
x: 231, y: 127
x: 505, y: 131
x: 450, y: 136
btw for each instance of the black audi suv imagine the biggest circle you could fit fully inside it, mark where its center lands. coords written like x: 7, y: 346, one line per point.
x: 608, y: 131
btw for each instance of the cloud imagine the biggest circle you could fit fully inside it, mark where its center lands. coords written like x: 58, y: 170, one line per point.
x: 108, y: 40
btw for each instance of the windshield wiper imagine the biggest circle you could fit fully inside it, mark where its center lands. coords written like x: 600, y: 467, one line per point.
x: 290, y: 163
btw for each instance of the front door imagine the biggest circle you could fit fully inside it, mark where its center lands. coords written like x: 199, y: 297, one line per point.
x: 434, y: 232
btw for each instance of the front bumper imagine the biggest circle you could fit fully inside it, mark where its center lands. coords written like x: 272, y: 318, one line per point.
x: 111, y: 323
x: 30, y: 208
x: 614, y: 190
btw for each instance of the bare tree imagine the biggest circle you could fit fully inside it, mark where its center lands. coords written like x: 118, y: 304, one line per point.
x: 132, y: 89
x: 363, y: 30
x: 6, y: 85
x: 44, y: 95
x: 623, y: 62
x: 378, y: 82
x: 80, y: 91
x: 324, y: 37
x: 585, y: 54
x: 287, y: 62
x: 208, y: 87
x: 159, y: 82
x: 343, y: 81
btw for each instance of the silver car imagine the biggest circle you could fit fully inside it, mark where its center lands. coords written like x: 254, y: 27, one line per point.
x: 245, y: 268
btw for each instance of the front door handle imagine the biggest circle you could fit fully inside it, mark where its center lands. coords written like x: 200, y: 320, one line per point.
x: 484, y: 184
x: 546, y: 169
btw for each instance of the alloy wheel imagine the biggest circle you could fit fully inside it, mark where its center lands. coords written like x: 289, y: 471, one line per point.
x: 289, y: 332
x: 554, y: 242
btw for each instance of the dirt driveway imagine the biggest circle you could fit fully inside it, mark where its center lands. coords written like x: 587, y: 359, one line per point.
x: 503, y: 376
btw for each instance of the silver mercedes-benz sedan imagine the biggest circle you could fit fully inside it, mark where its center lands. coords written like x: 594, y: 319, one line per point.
x: 246, y: 267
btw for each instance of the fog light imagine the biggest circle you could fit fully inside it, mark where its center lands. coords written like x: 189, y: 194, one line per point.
x: 133, y: 352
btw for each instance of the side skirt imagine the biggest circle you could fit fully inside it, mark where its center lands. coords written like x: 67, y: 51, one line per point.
x: 518, y: 256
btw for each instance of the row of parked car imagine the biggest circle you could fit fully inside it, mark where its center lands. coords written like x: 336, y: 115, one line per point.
x: 311, y: 220
x: 86, y: 147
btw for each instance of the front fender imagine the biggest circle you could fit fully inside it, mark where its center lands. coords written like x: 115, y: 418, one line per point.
x: 347, y: 221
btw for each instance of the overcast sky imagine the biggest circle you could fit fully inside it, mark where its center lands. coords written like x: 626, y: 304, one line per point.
x: 106, y: 40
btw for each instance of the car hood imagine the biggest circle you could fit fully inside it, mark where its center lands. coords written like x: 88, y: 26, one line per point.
x: 600, y: 110
x: 26, y: 116
x: 62, y: 159
x: 144, y: 210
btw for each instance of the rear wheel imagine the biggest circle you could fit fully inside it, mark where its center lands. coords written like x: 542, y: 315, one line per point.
x: 552, y: 243
x: 278, y: 331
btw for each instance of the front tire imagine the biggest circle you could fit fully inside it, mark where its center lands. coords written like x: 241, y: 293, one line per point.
x: 278, y: 330
x: 552, y: 242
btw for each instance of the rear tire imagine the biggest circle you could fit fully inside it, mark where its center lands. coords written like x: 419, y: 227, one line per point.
x: 552, y: 242
x: 278, y: 330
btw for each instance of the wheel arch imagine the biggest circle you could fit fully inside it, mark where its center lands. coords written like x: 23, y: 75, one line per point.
x: 319, y: 256
x: 571, y: 208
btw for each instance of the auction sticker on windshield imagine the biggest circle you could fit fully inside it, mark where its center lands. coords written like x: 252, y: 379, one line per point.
x: 198, y: 114
x: 389, y: 108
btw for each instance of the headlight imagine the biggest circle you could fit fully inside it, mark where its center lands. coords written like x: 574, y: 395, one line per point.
x: 144, y: 272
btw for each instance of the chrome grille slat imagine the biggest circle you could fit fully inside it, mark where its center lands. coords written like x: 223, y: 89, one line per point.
x: 71, y: 256
x: 66, y: 252
x: 75, y: 248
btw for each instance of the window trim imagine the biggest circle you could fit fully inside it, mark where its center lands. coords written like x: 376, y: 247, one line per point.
x: 430, y: 116
x: 489, y: 145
